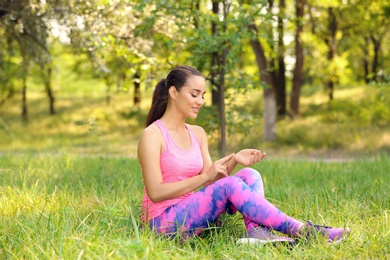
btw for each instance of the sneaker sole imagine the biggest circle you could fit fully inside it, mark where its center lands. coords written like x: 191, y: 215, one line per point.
x: 256, y: 241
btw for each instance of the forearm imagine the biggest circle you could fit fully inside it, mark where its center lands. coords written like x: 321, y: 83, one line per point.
x: 231, y: 165
x: 170, y: 190
x: 219, y: 176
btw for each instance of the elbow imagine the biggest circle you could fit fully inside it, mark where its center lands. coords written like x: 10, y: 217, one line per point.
x: 155, y: 197
x: 154, y: 200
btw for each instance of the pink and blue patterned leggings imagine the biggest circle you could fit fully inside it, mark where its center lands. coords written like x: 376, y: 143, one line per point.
x: 241, y: 192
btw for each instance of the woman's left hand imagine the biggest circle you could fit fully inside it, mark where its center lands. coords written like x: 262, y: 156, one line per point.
x: 248, y: 157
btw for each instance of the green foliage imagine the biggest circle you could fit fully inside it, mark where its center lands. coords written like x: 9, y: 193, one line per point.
x: 313, y: 136
x: 319, y: 69
x: 356, y: 121
x: 369, y: 111
x: 208, y: 119
x: 241, y: 122
x: 10, y: 73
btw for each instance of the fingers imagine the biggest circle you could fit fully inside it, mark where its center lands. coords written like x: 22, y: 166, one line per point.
x: 220, y: 167
x: 223, y: 170
x: 226, y: 159
x: 257, y: 156
x: 221, y: 164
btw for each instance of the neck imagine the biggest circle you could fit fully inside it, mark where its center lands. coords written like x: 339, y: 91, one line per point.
x: 173, y: 121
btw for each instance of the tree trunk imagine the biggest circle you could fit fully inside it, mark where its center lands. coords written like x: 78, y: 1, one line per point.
x: 269, y: 112
x: 195, y: 6
x: 299, y: 59
x: 137, y: 89
x: 281, y: 83
x: 215, y: 92
x: 273, y: 72
x: 108, y: 90
x: 367, y: 78
x: 24, y: 99
x: 272, y: 67
x: 24, y: 88
x: 49, y: 89
x: 377, y: 47
x: 222, y: 143
x: 332, y: 27
x: 25, y: 68
x: 222, y: 70
x: 269, y: 115
x: 330, y: 90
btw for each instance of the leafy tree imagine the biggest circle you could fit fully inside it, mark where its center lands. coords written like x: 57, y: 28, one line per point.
x: 9, y: 69
x: 327, y: 29
x: 213, y: 40
x: 25, y: 23
x: 368, y: 33
x: 112, y: 35
x: 231, y: 32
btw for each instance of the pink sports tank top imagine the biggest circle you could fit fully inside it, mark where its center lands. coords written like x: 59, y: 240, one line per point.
x: 176, y: 164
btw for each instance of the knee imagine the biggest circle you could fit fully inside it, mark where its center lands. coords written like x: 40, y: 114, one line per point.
x: 231, y: 180
x: 226, y: 186
x: 230, y: 183
x: 248, y: 173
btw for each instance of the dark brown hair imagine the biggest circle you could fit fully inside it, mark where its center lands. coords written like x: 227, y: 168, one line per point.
x: 177, y: 77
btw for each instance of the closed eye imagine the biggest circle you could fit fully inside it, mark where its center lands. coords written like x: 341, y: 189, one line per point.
x: 195, y: 96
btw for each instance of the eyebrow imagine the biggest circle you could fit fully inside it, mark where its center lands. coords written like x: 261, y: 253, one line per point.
x: 198, y: 90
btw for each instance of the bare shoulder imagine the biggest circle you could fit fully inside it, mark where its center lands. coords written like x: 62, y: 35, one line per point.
x: 150, y: 138
x: 199, y: 132
x: 151, y: 131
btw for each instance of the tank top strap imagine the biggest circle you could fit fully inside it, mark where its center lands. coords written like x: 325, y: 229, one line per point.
x: 163, y: 129
x: 165, y: 134
x: 194, y: 138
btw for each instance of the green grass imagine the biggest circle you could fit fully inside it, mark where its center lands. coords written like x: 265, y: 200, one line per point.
x: 66, y: 206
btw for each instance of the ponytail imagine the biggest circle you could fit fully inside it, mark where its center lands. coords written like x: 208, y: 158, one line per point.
x: 159, y: 102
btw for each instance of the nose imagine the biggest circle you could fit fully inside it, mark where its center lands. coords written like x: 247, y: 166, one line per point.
x: 200, y: 101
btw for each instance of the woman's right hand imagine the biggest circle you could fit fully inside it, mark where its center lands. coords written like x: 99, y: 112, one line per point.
x: 219, y: 167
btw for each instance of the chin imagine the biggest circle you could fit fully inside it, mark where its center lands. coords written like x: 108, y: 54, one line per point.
x: 193, y: 116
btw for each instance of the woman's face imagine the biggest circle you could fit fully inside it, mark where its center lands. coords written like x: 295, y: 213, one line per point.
x: 190, y: 98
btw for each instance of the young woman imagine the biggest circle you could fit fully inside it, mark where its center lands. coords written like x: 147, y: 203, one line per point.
x: 175, y: 162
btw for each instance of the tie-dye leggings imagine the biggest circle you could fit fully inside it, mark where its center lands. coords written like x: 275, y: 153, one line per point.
x: 243, y: 192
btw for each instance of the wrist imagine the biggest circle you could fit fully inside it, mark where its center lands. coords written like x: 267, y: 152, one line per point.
x: 205, y: 178
x: 234, y: 160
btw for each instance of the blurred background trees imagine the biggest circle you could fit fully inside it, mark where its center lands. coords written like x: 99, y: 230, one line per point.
x: 271, y: 46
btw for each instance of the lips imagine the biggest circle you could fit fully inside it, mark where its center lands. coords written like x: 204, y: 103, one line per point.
x: 196, y: 109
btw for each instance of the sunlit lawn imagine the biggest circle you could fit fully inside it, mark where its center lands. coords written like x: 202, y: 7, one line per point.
x: 66, y: 206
